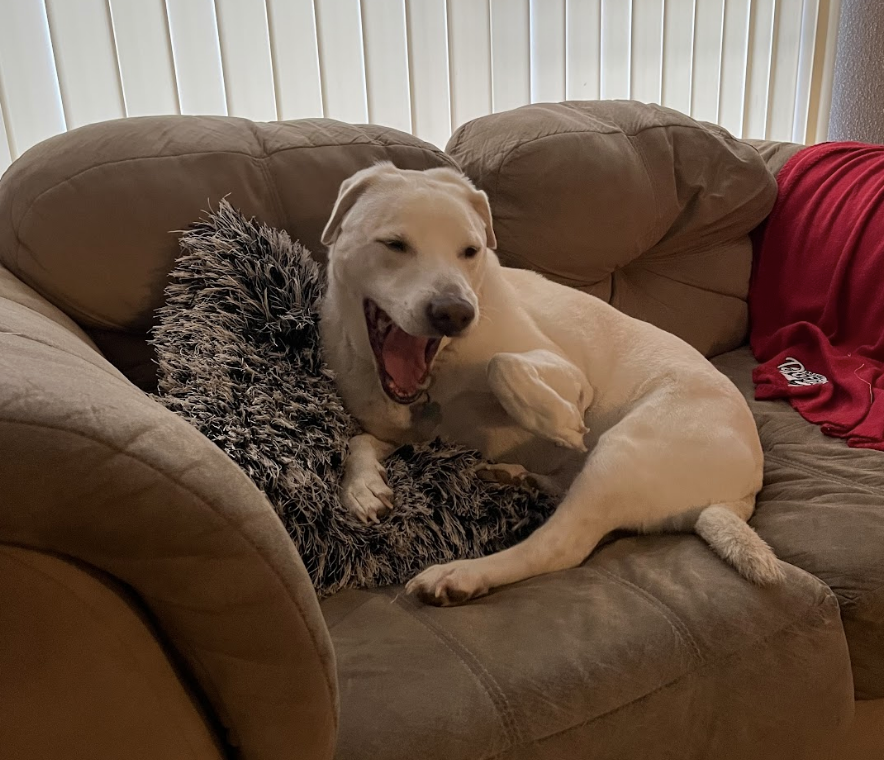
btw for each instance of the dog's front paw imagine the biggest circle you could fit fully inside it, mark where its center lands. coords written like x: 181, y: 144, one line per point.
x: 516, y: 475
x: 448, y: 585
x: 571, y: 436
x: 366, y: 494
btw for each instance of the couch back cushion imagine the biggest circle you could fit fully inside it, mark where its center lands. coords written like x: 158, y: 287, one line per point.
x: 637, y: 204
x: 89, y: 218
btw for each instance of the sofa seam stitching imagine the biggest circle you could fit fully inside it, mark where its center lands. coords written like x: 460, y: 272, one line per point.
x: 29, y: 339
x: 489, y: 684
x: 678, y: 679
x: 833, y: 479
x: 669, y: 615
x: 648, y: 243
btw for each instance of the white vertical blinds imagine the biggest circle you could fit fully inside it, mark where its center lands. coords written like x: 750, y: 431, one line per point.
x: 616, y: 49
x: 646, y: 62
x: 196, y: 53
x: 584, y: 54
x: 246, y: 58
x: 547, y: 28
x: 144, y: 54
x: 762, y: 68
x: 294, y: 49
x: 510, y: 53
x: 678, y: 53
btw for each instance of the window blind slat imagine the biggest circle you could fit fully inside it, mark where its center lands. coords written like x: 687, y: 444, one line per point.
x: 86, y: 61
x: 823, y: 71
x: 5, y: 147
x: 469, y: 45
x: 678, y: 47
x: 246, y: 58
x: 341, y: 59
x: 784, y: 69
x: 145, y: 56
x: 547, y: 50
x: 616, y: 48
x: 510, y: 54
x: 31, y: 95
x: 196, y: 52
x: 295, y: 58
x: 584, y: 18
x: 428, y: 70
x: 706, y: 67
x: 806, y: 52
x: 733, y: 65
x: 758, y: 69
x: 386, y: 63
x: 647, y: 50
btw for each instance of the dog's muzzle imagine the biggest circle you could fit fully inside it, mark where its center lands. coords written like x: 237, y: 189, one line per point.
x: 450, y: 315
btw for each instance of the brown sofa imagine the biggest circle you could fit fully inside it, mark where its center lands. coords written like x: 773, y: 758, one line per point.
x: 152, y: 606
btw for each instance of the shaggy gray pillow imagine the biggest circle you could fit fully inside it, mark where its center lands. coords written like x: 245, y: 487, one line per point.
x: 239, y: 357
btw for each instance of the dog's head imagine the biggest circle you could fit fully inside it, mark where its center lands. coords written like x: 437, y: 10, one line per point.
x: 411, y: 248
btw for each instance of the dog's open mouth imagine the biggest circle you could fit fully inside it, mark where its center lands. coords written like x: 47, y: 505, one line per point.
x: 403, y: 360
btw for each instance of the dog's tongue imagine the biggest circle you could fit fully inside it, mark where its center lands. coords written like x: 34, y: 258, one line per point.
x: 405, y: 360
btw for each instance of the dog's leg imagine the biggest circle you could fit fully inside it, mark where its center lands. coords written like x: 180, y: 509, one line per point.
x: 562, y: 542
x: 544, y: 394
x: 364, y: 489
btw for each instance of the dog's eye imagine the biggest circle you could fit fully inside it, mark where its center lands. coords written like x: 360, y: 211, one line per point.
x: 396, y: 245
x: 470, y: 251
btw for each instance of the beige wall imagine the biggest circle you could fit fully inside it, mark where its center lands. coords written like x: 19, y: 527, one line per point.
x: 858, y: 86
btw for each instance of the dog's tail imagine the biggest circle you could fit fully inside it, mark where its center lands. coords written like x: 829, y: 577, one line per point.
x: 736, y: 543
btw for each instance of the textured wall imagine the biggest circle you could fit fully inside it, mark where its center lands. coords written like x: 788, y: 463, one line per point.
x: 858, y: 85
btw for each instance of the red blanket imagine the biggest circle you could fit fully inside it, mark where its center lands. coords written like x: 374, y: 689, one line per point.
x: 816, y: 300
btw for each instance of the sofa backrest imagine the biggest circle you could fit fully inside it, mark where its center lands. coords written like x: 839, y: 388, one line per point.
x: 637, y: 204
x: 89, y: 218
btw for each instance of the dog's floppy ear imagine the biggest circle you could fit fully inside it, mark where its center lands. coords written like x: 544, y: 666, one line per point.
x: 477, y: 198
x: 351, y: 190
x: 479, y: 201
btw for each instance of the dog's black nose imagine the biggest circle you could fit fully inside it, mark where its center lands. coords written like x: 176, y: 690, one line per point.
x: 450, y: 315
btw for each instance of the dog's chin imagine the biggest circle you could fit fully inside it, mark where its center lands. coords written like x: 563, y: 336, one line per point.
x: 404, y: 361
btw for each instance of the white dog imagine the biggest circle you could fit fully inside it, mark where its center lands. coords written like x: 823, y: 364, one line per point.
x: 428, y: 335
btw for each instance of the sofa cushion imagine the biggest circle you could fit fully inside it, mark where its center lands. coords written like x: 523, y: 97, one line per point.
x: 637, y: 204
x: 653, y: 648
x: 822, y: 509
x: 774, y: 153
x: 88, y: 218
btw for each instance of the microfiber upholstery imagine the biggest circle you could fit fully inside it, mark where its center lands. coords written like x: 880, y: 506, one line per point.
x: 652, y: 649
x: 822, y: 509
x: 637, y: 204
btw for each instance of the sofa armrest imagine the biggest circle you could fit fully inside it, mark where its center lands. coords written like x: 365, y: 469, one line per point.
x: 84, y: 674
x: 91, y: 468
